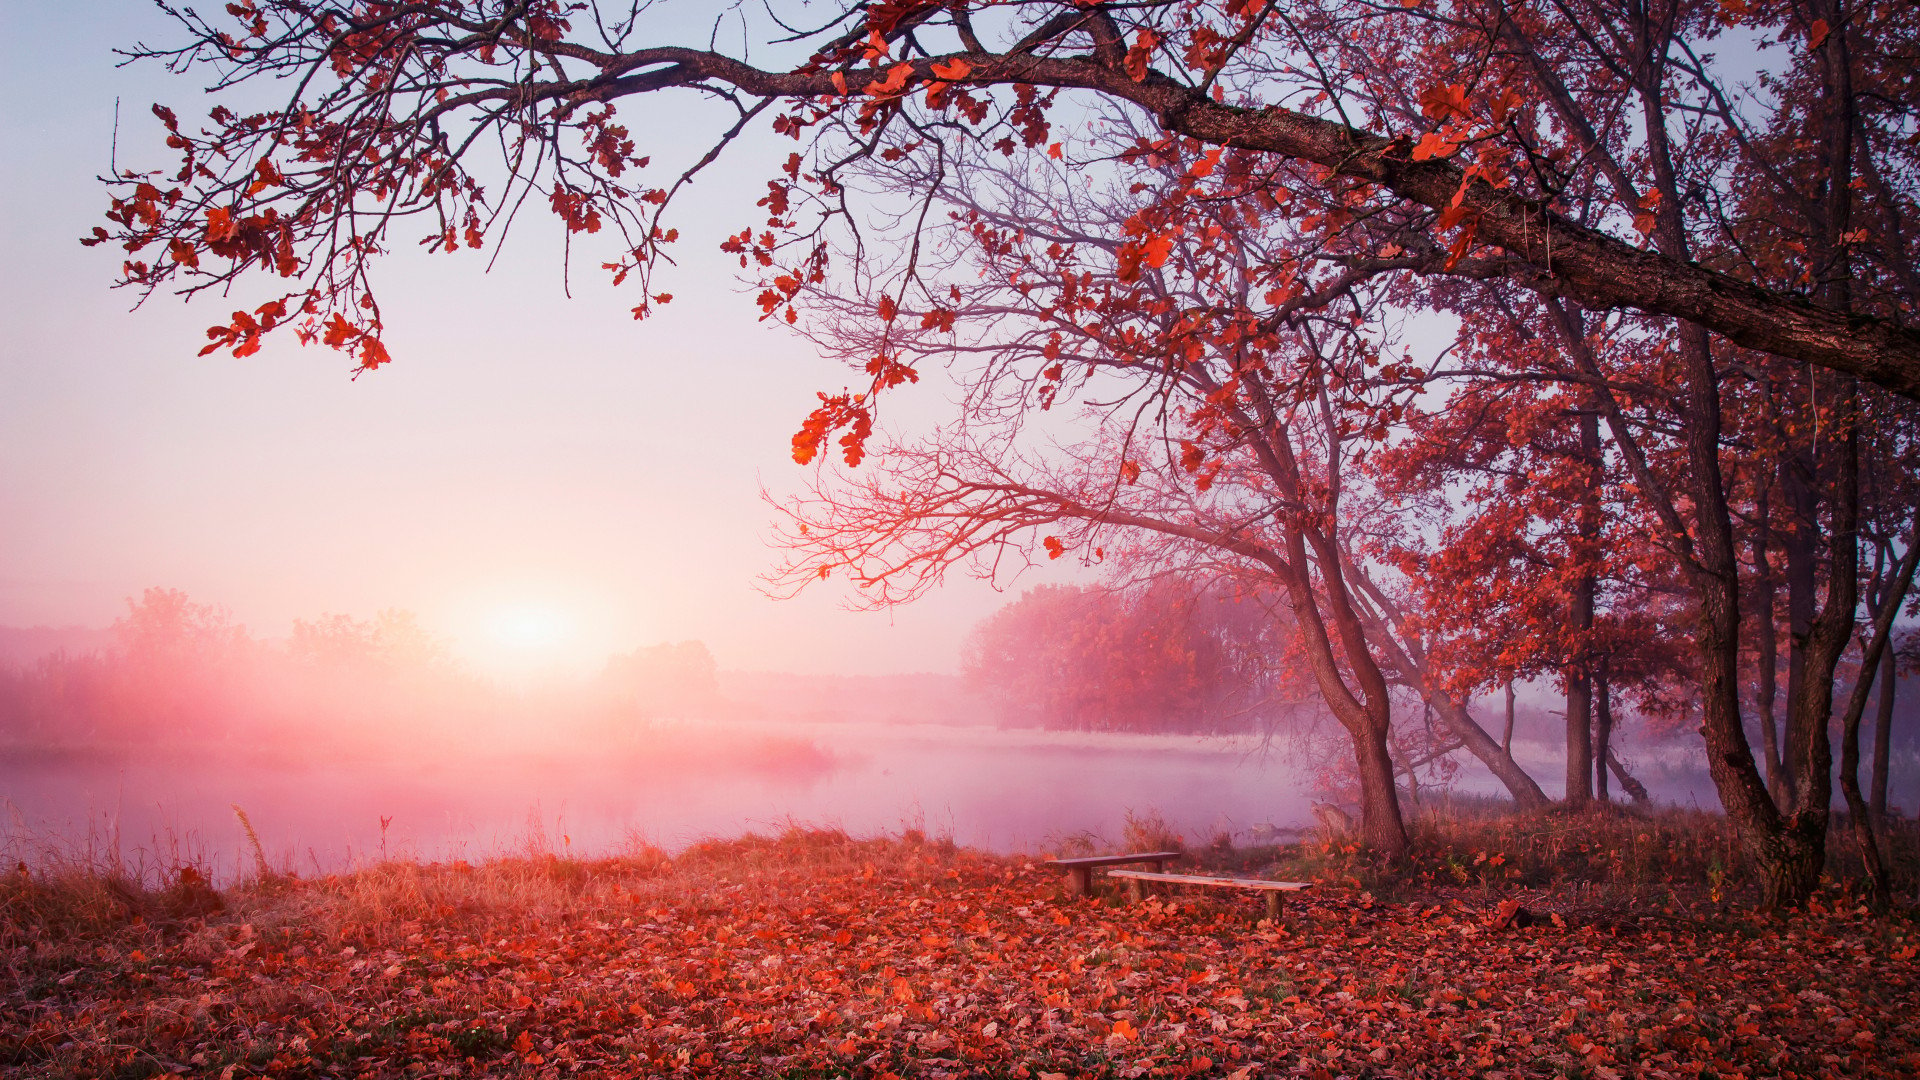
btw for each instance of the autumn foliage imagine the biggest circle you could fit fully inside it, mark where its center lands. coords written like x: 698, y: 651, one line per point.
x: 1147, y: 659
x: 811, y: 953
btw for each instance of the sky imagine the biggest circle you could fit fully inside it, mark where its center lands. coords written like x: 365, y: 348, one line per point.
x: 540, y: 479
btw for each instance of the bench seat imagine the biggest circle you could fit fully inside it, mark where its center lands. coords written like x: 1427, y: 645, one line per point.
x: 1080, y: 870
x: 1272, y: 889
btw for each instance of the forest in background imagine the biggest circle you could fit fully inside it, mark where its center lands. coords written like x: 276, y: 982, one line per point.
x: 1159, y: 659
x: 175, y: 671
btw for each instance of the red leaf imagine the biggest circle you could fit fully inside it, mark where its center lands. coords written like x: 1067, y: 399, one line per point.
x: 1141, y: 54
x: 339, y: 331
x: 1157, y: 249
x: 895, y: 81
x: 1433, y: 145
x: 1440, y: 102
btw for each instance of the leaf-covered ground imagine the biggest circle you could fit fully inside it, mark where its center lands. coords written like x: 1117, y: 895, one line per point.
x: 827, y: 957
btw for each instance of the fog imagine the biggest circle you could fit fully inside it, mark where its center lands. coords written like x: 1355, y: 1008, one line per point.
x: 352, y: 740
x: 357, y: 739
x: 671, y: 784
x: 1008, y: 792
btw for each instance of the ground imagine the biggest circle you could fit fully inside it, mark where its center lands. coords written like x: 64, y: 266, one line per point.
x: 813, y: 955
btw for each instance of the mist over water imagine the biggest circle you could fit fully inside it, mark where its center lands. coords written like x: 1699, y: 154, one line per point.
x: 1002, y: 791
x: 353, y: 741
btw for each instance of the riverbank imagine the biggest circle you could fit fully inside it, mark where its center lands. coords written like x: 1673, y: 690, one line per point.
x: 815, y: 954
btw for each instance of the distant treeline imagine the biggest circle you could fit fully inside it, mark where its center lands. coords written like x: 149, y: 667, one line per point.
x: 175, y: 671
x: 1160, y: 657
x: 1153, y: 658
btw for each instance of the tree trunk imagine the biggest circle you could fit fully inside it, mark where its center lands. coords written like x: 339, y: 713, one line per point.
x: 1498, y: 758
x: 1506, y: 736
x: 1579, y: 786
x: 1857, y: 811
x: 1809, y: 714
x: 1882, y: 738
x: 1802, y: 526
x: 1767, y: 648
x: 1885, y: 602
x: 1789, y: 856
x: 1789, y: 863
x: 1400, y: 648
x: 1380, y: 822
x: 1602, y: 731
x: 1368, y: 716
x: 1635, y: 790
x: 1580, y: 763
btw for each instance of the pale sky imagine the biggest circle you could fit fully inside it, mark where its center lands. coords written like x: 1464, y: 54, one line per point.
x: 525, y: 456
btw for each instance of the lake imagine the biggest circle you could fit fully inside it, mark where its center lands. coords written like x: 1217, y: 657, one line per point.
x: 1005, y: 791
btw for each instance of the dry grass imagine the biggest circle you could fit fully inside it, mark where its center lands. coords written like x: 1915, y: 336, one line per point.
x: 59, y: 887
x: 70, y: 896
x: 58, y: 891
x: 1150, y: 832
x: 1610, y: 857
x: 813, y: 953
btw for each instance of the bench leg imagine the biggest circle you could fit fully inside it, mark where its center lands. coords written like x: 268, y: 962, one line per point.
x: 1079, y: 880
x: 1135, y: 890
x: 1273, y: 904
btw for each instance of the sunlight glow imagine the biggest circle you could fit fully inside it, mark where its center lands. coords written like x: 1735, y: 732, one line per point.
x: 529, y: 629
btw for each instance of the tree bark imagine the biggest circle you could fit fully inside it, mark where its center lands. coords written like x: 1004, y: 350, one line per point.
x: 1809, y: 713
x: 1496, y: 757
x: 1380, y: 821
x: 1580, y: 675
x: 1788, y: 859
x: 1635, y: 790
x: 1858, y: 813
x: 1579, y: 778
x: 1602, y: 730
x: 1367, y: 718
x: 1506, y: 735
x: 1802, y: 526
x: 1766, y: 648
x: 1882, y: 738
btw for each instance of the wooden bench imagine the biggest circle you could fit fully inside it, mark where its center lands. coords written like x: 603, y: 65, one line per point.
x: 1272, y: 889
x: 1080, y: 871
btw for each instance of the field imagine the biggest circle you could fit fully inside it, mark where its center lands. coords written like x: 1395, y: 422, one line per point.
x: 812, y: 954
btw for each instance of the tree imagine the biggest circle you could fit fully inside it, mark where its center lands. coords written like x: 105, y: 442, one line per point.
x: 392, y: 104
x: 1162, y: 657
x: 1509, y: 484
x: 393, y: 643
x: 678, y: 680
x: 1890, y: 472
x: 180, y: 666
x: 166, y: 629
x: 1205, y: 435
x: 1906, y: 661
x: 1663, y: 136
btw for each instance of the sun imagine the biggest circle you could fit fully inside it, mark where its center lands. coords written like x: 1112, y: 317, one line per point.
x: 528, y: 629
